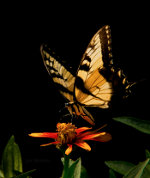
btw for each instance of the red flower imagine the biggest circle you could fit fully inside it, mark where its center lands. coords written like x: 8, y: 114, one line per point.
x: 69, y: 134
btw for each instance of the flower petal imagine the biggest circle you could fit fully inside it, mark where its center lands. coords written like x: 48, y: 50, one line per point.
x: 68, y: 150
x: 83, y: 145
x: 103, y: 138
x: 90, y: 135
x: 82, y: 129
x: 44, y: 134
x: 52, y: 143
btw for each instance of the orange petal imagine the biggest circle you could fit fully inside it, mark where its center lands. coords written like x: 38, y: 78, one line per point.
x: 44, y: 134
x: 68, y: 150
x: 82, y: 129
x: 52, y: 143
x: 83, y: 145
x: 90, y: 136
x: 103, y: 138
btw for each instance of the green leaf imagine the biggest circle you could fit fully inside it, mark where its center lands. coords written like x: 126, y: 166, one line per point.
x: 147, y: 154
x: 11, y: 159
x: 137, y: 171
x: 84, y: 173
x: 66, y: 166
x: 121, y: 167
x: 146, y: 171
x: 112, y: 174
x: 141, y: 125
x: 1, y: 174
x: 75, y: 169
x: 25, y: 174
x: 70, y: 161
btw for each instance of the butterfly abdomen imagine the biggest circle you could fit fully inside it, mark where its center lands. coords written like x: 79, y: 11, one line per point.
x: 77, y: 110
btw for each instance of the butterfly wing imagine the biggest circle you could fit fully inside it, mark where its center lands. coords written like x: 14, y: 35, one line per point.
x: 93, y: 85
x: 65, y: 83
x: 60, y: 75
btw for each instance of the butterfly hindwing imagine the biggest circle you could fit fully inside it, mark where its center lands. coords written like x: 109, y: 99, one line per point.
x: 60, y: 75
x: 92, y: 88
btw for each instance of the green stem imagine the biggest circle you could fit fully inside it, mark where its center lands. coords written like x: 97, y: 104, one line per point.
x: 66, y: 166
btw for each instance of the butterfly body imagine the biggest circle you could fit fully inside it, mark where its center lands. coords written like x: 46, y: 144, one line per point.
x: 96, y: 81
x: 78, y: 110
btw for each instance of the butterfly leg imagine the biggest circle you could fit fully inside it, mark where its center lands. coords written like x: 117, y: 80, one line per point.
x: 70, y: 109
x: 60, y: 111
x: 63, y: 114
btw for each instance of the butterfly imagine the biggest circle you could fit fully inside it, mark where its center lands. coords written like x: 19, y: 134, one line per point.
x: 97, y: 79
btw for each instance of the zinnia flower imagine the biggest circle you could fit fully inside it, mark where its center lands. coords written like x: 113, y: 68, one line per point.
x: 69, y: 134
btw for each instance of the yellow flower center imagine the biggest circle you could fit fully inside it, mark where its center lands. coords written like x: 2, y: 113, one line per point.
x: 66, y: 133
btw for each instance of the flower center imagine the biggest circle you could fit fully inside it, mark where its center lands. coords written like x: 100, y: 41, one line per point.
x: 66, y: 133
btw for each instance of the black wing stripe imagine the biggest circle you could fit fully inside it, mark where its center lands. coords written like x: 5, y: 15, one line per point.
x: 63, y: 79
x: 105, y: 37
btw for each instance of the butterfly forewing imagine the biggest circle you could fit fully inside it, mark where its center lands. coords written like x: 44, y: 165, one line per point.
x: 91, y: 86
x: 60, y: 75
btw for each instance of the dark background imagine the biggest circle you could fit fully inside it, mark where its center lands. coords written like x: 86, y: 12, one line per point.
x: 29, y: 100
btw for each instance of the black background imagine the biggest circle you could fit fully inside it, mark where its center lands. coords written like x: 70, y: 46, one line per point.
x: 29, y: 100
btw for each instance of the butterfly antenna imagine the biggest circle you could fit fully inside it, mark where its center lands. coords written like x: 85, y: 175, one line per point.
x: 141, y: 80
x: 131, y: 87
x: 101, y: 127
x: 62, y: 109
x: 66, y: 118
x: 132, y: 84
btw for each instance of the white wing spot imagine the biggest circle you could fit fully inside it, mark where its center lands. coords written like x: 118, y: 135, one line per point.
x: 109, y: 48
x: 110, y: 55
x: 109, y: 42
x: 86, y: 62
x: 106, y: 27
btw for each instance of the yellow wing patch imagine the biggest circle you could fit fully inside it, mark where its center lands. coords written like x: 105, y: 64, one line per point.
x: 89, y: 72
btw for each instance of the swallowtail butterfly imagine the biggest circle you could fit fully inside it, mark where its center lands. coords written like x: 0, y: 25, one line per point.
x: 96, y: 80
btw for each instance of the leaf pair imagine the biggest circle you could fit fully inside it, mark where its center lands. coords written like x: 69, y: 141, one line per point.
x: 73, y: 169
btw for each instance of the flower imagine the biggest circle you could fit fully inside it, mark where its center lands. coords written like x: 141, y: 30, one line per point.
x: 69, y: 134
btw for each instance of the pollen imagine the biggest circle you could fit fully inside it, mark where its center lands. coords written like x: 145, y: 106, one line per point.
x: 66, y: 133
